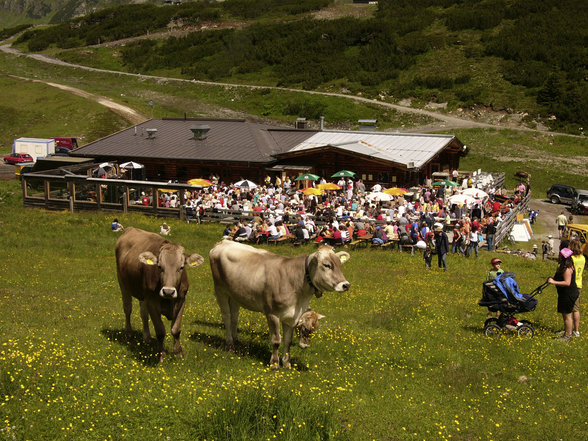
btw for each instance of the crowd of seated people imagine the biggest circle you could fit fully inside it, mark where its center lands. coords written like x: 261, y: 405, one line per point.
x: 281, y: 211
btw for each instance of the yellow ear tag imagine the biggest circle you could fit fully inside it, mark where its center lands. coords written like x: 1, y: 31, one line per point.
x: 149, y: 261
x: 343, y: 259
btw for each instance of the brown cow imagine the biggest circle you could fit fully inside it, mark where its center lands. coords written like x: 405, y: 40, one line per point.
x: 152, y: 269
x: 280, y: 287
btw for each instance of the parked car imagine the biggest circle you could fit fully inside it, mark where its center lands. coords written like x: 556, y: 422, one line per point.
x: 580, y: 202
x: 561, y: 194
x: 18, y: 158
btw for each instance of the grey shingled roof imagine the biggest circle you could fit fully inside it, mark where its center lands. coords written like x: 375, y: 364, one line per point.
x: 227, y: 140
x: 242, y: 141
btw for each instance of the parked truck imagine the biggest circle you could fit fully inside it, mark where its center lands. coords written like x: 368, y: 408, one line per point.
x: 67, y: 142
x: 36, y: 147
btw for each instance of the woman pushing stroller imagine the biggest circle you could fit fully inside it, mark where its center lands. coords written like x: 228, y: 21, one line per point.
x: 564, y: 281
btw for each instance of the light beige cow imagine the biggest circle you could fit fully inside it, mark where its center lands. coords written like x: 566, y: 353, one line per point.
x: 278, y: 286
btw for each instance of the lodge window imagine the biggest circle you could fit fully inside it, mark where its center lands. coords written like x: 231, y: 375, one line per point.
x: 35, y: 188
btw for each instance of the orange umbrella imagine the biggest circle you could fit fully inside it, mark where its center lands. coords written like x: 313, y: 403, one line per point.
x: 310, y: 190
x: 200, y: 182
x: 395, y: 191
x: 329, y: 186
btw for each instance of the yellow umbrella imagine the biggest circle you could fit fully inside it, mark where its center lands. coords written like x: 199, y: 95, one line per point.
x: 166, y: 190
x: 200, y: 182
x: 309, y: 191
x: 328, y: 186
x: 395, y: 191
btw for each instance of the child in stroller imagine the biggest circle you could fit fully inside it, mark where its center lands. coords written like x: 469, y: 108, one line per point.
x: 502, y: 294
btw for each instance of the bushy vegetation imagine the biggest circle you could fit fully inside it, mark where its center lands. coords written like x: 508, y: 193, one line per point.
x: 9, y: 32
x: 400, y: 356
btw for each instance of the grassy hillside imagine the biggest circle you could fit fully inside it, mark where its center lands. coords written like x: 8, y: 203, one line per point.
x: 508, y: 55
x: 400, y: 356
x: 40, y: 111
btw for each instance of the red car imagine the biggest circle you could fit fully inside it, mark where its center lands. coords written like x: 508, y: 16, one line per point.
x: 17, y: 158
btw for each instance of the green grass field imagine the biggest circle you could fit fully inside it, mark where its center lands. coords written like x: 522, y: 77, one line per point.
x: 37, y: 110
x: 400, y: 356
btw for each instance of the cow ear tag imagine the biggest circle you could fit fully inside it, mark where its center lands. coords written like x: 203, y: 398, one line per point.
x: 149, y: 261
x: 343, y: 258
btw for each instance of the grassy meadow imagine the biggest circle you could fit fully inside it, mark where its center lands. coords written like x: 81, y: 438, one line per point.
x: 401, y: 356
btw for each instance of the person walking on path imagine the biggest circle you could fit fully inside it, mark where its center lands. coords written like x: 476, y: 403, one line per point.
x: 561, y: 222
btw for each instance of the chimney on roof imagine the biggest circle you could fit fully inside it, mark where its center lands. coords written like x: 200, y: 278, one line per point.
x: 322, y: 123
x: 200, y: 131
x: 367, y: 125
x: 300, y: 123
x: 151, y: 133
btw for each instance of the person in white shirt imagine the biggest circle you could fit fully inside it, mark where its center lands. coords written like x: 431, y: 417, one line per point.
x: 272, y: 232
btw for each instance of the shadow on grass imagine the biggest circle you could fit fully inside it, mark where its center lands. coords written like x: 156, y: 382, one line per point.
x: 249, y: 348
x: 144, y: 353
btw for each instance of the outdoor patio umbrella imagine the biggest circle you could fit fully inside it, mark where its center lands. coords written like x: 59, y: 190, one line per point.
x: 245, y: 183
x: 328, y: 186
x: 379, y: 196
x: 395, y: 191
x: 461, y: 199
x: 131, y: 164
x: 446, y: 183
x: 343, y: 173
x: 307, y: 177
x: 475, y: 192
x: 200, y: 182
x: 310, y: 191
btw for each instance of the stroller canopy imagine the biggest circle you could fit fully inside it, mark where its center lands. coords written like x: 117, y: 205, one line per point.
x: 507, y: 284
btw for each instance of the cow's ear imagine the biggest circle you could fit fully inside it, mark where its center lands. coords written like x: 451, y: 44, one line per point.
x: 320, y: 316
x: 343, y: 256
x: 148, y: 258
x: 194, y: 260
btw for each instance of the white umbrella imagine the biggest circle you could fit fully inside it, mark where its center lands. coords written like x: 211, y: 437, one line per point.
x: 377, y: 187
x: 475, y: 192
x: 245, y: 183
x: 105, y: 164
x: 379, y: 197
x: 461, y: 199
x: 131, y: 164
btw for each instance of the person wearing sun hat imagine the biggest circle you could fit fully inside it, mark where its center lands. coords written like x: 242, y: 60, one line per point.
x: 567, y: 290
x: 495, y: 270
x: 442, y: 247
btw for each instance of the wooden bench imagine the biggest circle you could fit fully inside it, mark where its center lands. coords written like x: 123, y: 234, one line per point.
x: 401, y: 247
x: 282, y: 239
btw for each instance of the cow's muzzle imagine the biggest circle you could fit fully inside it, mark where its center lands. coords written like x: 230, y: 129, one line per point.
x: 343, y: 286
x: 168, y: 293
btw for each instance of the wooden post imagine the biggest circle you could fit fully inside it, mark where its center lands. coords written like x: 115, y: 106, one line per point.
x: 71, y: 204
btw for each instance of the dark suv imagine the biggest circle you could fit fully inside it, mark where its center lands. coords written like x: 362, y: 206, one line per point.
x: 561, y: 194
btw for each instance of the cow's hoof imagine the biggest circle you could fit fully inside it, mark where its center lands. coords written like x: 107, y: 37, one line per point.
x: 162, y: 358
x: 147, y: 340
x: 286, y: 365
x: 179, y: 354
x: 275, y: 366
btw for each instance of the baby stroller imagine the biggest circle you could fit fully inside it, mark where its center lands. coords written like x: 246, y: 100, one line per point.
x: 502, y: 294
